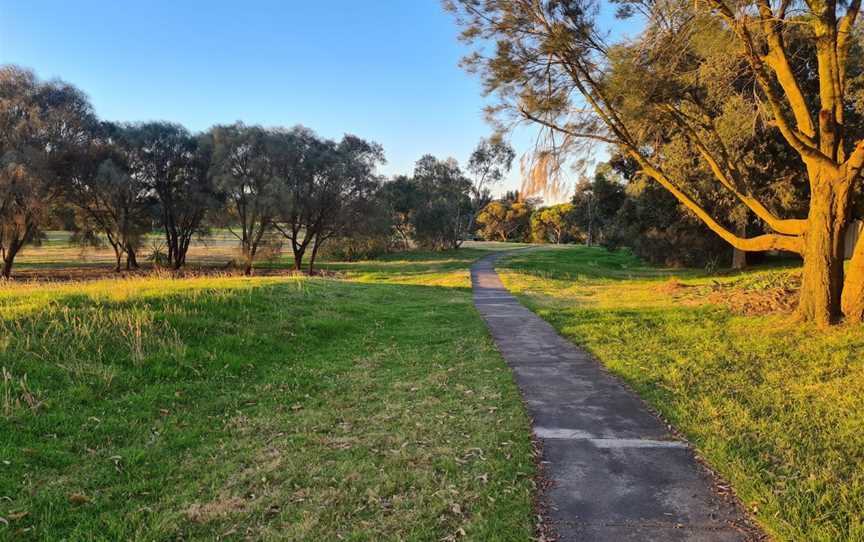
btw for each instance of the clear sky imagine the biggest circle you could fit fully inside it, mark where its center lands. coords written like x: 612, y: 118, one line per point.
x: 386, y: 70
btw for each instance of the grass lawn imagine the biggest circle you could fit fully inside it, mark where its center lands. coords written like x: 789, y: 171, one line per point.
x: 776, y: 409
x: 372, y: 407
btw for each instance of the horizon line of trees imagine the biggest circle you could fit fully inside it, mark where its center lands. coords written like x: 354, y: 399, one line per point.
x: 612, y: 209
x: 111, y: 183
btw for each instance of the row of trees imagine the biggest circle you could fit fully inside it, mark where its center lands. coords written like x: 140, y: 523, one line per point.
x: 115, y: 183
x: 590, y: 216
x: 615, y: 208
x: 438, y: 206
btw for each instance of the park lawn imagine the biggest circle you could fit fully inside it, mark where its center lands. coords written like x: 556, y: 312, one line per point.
x: 372, y: 407
x: 776, y: 409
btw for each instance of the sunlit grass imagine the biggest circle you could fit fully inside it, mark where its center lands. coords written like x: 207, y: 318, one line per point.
x: 368, y: 407
x: 775, y: 407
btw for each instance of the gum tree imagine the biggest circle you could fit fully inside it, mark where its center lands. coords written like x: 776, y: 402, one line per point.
x: 549, y: 63
x: 489, y: 163
x: 41, y: 125
x: 110, y: 203
x: 242, y: 172
x: 173, y: 165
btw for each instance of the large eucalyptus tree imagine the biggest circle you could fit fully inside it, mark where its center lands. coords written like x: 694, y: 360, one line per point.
x: 549, y: 62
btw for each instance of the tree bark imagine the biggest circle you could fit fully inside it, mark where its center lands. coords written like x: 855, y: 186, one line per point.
x: 118, y: 258
x: 852, y: 300
x: 131, y: 260
x: 7, y: 266
x: 739, y: 259
x: 298, y: 258
x: 315, y: 246
x: 822, y: 278
x: 9, y: 257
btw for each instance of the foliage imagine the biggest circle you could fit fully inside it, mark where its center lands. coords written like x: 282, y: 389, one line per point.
x: 555, y: 224
x: 596, y: 203
x: 242, y: 172
x: 172, y: 165
x: 401, y: 198
x: 655, y: 226
x: 345, y: 196
x: 322, y: 183
x: 41, y: 125
x: 368, y: 231
x: 506, y: 220
x: 433, y: 207
x: 109, y: 201
x: 490, y: 161
x: 114, y: 183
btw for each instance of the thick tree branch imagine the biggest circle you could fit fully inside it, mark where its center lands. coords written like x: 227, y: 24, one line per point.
x: 783, y: 226
x: 778, y: 60
x: 796, y: 138
x: 754, y: 244
x: 855, y: 163
x: 844, y: 39
x: 730, y: 180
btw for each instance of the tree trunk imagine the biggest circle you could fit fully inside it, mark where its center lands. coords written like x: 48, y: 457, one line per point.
x: 9, y: 257
x: 822, y: 279
x: 249, y: 256
x: 315, y: 246
x: 131, y: 260
x: 118, y: 257
x: 739, y: 259
x: 179, y: 256
x: 406, y: 243
x: 852, y: 300
x: 7, y: 266
x: 183, y: 250
x: 298, y: 258
x: 172, y: 252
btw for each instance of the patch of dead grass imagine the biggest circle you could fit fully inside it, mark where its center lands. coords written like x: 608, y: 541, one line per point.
x: 218, y: 509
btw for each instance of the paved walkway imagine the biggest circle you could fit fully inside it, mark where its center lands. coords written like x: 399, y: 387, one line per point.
x: 616, y: 472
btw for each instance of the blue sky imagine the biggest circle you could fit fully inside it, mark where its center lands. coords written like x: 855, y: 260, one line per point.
x: 386, y: 70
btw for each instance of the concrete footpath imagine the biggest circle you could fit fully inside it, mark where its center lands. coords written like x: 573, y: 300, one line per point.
x: 616, y: 473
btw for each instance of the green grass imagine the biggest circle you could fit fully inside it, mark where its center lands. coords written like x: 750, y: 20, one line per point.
x: 776, y: 408
x: 370, y: 408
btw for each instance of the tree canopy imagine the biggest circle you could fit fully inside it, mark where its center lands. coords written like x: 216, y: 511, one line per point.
x: 689, y: 78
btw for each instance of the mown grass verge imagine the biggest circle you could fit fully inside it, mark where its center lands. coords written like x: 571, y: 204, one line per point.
x: 282, y: 408
x: 774, y: 407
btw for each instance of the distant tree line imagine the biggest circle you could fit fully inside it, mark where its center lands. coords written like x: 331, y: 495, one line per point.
x: 115, y: 183
x: 615, y: 208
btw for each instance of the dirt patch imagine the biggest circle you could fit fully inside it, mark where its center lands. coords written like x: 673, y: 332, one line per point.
x: 775, y: 293
x: 755, y: 303
x: 673, y: 286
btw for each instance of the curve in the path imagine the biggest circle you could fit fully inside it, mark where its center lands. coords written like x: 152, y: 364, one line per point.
x: 617, y: 474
